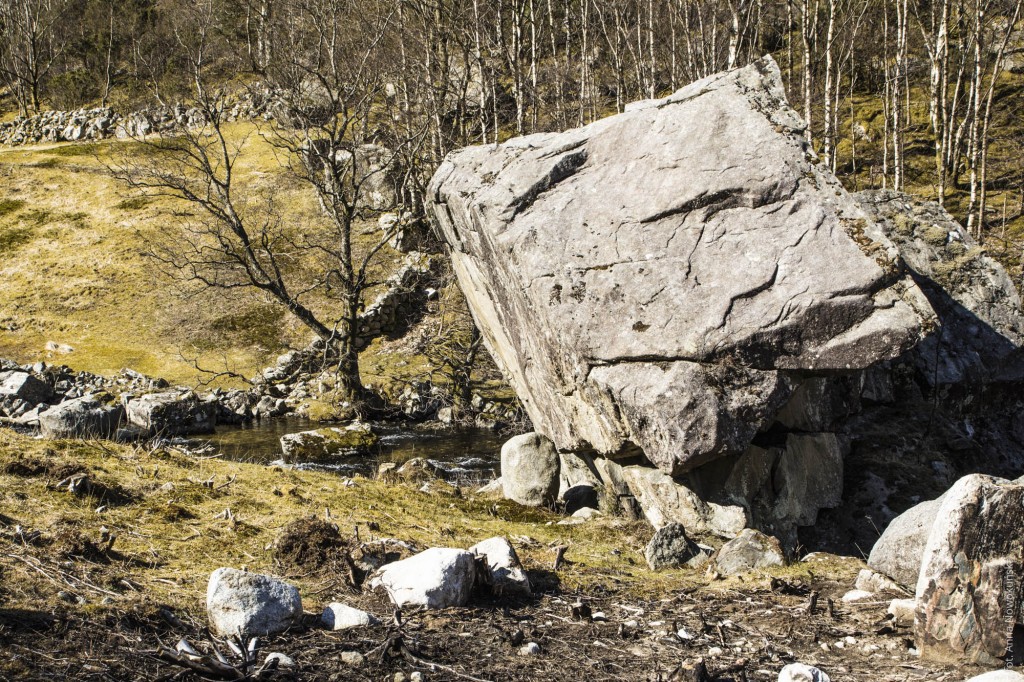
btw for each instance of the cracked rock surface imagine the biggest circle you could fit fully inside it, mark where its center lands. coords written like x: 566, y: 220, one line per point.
x: 656, y: 280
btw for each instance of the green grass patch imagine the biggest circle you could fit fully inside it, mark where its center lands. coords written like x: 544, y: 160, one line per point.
x: 12, y: 238
x: 133, y: 203
x: 8, y: 206
x: 76, y: 149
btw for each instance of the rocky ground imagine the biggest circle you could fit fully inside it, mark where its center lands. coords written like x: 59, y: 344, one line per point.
x: 105, y: 552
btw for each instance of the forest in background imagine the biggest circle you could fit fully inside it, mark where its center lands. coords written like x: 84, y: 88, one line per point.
x: 917, y: 95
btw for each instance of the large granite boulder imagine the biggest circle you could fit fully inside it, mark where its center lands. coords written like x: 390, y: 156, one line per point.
x: 968, y: 592
x: 654, y: 281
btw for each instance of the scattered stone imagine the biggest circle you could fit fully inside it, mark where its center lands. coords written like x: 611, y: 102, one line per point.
x: 974, y: 554
x: 671, y: 548
x: 352, y: 658
x: 277, y: 660
x: 530, y: 470
x: 333, y: 441
x: 870, y: 581
x: 857, y: 595
x: 798, y: 672
x: 62, y: 348
x: 247, y: 605
x: 92, y: 416
x: 338, y: 616
x: 902, y: 611
x: 172, y: 413
x: 436, y: 578
x: 505, y: 573
x: 530, y: 649
x: 748, y: 551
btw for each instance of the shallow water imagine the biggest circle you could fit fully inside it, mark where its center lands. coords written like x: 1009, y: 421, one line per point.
x: 466, y: 454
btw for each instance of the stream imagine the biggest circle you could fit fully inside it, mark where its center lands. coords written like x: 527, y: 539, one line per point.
x: 465, y: 454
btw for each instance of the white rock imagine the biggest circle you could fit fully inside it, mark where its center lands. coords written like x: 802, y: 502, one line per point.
x: 870, y: 581
x: 529, y: 470
x: 506, y: 572
x: 282, y: 661
x: 998, y: 676
x: 798, y: 672
x: 902, y: 611
x: 857, y: 595
x: 338, y: 616
x: 715, y: 651
x: 249, y: 604
x: 352, y: 658
x: 531, y: 649
x: 436, y: 578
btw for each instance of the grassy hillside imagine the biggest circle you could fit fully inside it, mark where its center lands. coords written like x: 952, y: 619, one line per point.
x: 74, y: 270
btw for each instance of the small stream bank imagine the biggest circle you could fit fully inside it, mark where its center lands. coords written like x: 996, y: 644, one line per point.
x: 466, y: 454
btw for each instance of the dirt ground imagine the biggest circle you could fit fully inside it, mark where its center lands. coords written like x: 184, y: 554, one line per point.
x: 105, y: 552
x: 748, y: 632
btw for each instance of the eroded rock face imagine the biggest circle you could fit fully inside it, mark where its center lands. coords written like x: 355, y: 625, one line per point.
x: 650, y: 280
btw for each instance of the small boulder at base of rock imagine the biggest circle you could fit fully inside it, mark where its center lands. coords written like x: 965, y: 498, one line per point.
x: 353, y: 438
x: 530, y: 469
x: 857, y: 595
x: 749, y: 550
x: 798, y: 672
x: 506, y: 574
x: 245, y: 604
x: 338, y: 616
x: 967, y: 597
x: 435, y: 578
x: 898, y: 552
x: 902, y: 611
x: 869, y: 581
x: 671, y: 548
x: 91, y: 416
